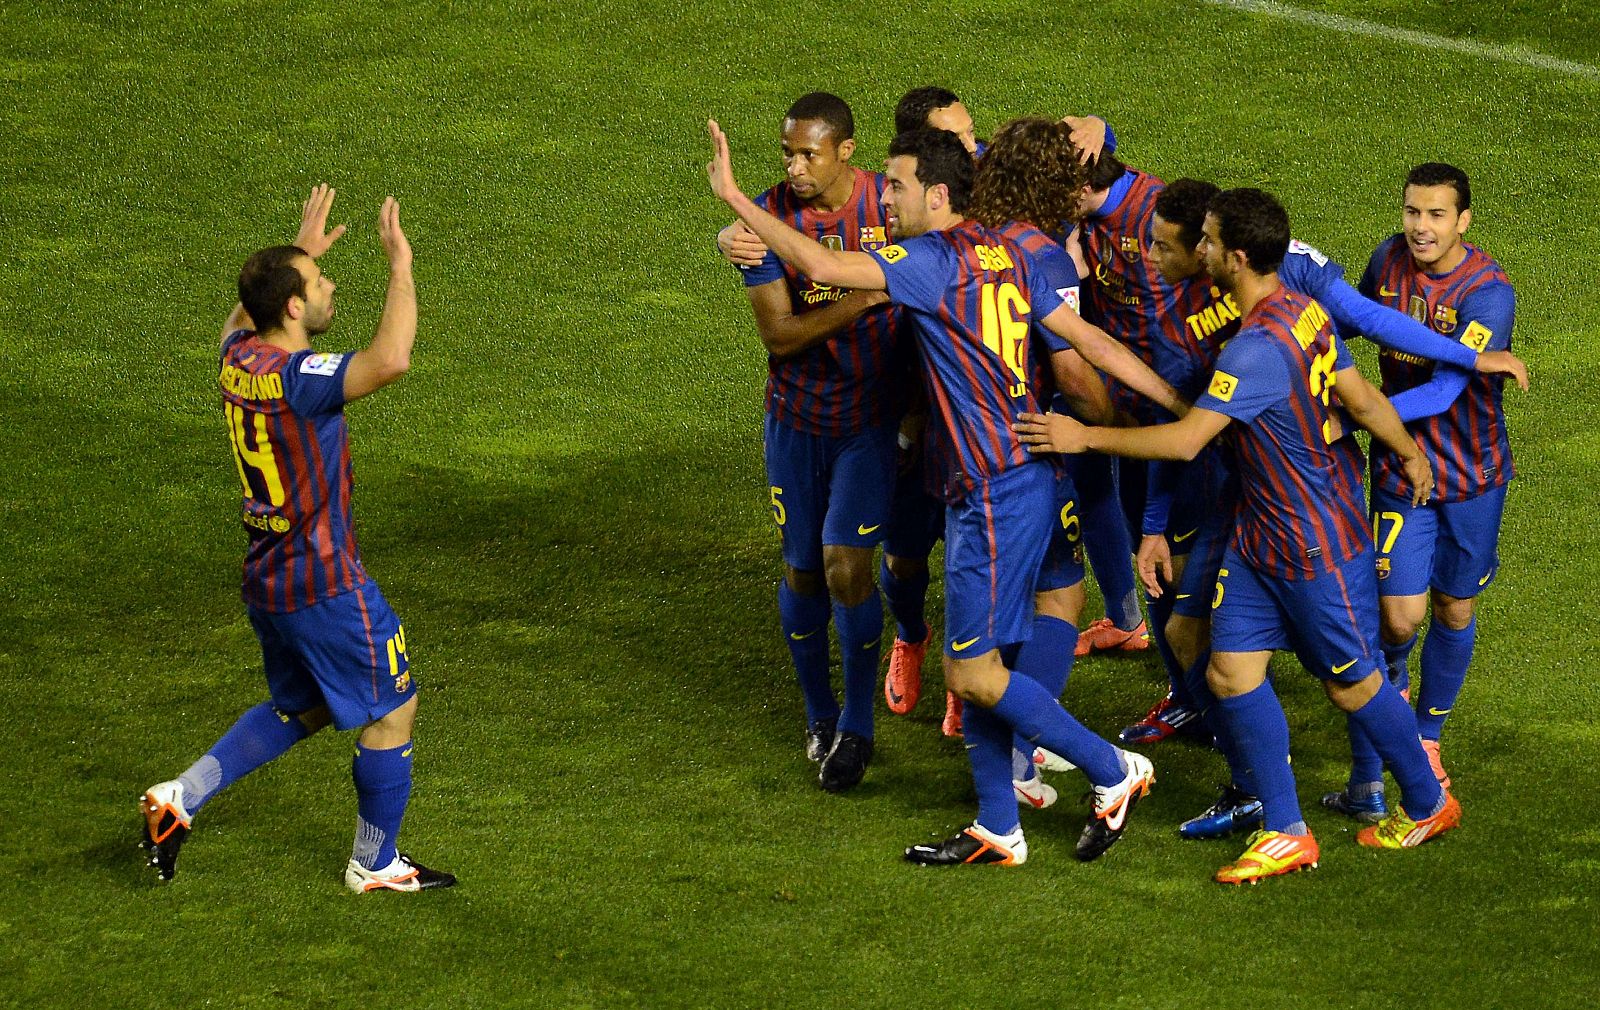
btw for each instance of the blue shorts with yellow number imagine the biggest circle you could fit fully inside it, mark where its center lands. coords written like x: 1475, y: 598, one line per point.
x: 994, y: 544
x: 1329, y: 620
x: 1063, y: 559
x: 1453, y: 547
x: 1197, y: 584
x: 348, y: 652
x: 828, y: 490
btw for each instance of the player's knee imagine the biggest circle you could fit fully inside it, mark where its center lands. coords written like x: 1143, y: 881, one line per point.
x: 1399, y: 617
x: 1349, y: 697
x: 393, y: 728
x: 1183, y: 636
x: 906, y: 568
x: 1453, y: 612
x: 804, y: 582
x: 849, y: 575
x: 315, y: 719
x: 1063, y: 604
x: 976, y: 681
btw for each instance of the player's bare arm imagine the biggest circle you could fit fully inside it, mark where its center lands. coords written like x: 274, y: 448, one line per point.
x: 1373, y: 411
x: 1504, y: 363
x: 1181, y: 440
x: 856, y: 270
x: 388, y: 356
x: 1105, y: 353
x: 785, y: 332
x: 1081, y: 386
x: 739, y: 245
x: 313, y: 237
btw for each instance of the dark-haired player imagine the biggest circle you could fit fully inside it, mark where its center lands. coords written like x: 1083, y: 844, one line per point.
x: 1440, y: 555
x: 833, y: 403
x: 971, y: 290
x: 1299, y: 571
x: 333, y: 650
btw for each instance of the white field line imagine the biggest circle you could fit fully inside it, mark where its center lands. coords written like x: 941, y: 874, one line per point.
x: 1426, y: 40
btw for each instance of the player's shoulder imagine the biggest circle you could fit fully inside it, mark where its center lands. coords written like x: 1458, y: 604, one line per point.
x: 1390, y: 248
x: 1484, y: 270
x: 1031, y: 239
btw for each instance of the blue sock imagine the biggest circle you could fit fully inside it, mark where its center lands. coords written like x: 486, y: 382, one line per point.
x: 907, y: 601
x: 1194, y: 681
x: 1106, y: 538
x: 989, y: 750
x: 1047, y: 658
x: 804, y: 620
x: 1255, y: 723
x: 1366, y: 767
x: 860, y: 630
x: 1397, y: 659
x: 1391, y: 726
x: 1160, y: 610
x: 1041, y: 721
x: 1445, y: 657
x: 383, y: 786
x: 257, y: 737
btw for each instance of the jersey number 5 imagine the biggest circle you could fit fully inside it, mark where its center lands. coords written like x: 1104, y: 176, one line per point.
x: 1004, y: 333
x: 259, y: 459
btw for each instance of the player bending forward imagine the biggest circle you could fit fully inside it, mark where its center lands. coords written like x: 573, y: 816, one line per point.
x: 332, y: 648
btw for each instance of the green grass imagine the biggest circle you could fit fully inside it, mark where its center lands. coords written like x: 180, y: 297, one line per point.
x: 565, y: 502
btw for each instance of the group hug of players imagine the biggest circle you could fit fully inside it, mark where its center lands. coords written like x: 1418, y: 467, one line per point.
x: 1104, y: 360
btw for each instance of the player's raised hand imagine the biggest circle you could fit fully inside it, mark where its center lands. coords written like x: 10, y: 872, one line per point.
x: 1504, y: 363
x: 720, y: 168
x: 1420, y: 474
x: 314, y: 237
x: 1088, y: 135
x: 395, y: 244
x: 1051, y: 433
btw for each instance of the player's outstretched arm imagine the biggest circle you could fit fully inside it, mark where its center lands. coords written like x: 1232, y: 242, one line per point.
x: 389, y: 355
x: 1106, y: 354
x: 1182, y: 439
x: 1372, y: 410
x: 1081, y: 386
x: 832, y: 267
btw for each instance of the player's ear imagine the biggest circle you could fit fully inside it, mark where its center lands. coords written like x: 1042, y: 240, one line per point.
x: 938, y: 196
x: 846, y: 149
x: 295, y: 308
x: 1466, y: 220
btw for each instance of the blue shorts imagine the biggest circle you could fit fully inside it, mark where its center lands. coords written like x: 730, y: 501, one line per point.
x: 1198, y: 583
x: 827, y: 490
x: 348, y: 653
x: 1063, y: 559
x: 916, y: 518
x: 1453, y: 547
x: 1330, y: 620
x: 994, y: 544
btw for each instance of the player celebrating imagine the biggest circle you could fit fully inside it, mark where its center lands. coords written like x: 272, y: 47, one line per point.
x: 1444, y: 552
x: 333, y: 650
x: 1299, y: 572
x: 972, y: 294
x: 833, y: 402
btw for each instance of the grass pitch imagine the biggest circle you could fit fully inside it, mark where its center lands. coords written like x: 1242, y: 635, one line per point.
x: 564, y: 501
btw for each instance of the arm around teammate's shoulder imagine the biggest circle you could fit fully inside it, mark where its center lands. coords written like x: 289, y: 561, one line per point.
x: 388, y: 356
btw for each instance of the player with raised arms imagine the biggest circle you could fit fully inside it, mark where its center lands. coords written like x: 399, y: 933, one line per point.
x: 333, y: 649
x: 1440, y: 555
x: 1299, y: 571
x: 972, y: 292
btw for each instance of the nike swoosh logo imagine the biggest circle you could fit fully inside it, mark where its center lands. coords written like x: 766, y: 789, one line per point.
x: 1115, y: 818
x: 1485, y: 579
x: 1341, y: 669
x: 962, y: 646
x: 406, y: 753
x: 1184, y: 596
x: 895, y: 696
x: 798, y: 637
x: 864, y: 530
x: 1438, y: 711
x: 1181, y: 537
x: 1385, y: 292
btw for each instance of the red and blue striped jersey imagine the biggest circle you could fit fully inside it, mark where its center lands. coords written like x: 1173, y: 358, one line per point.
x: 973, y: 293
x: 1467, y: 443
x: 285, y: 417
x: 1126, y: 295
x: 1301, y: 504
x: 855, y: 379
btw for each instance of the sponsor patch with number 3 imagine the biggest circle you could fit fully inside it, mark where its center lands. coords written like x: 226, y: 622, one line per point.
x: 1223, y: 385
x: 321, y: 364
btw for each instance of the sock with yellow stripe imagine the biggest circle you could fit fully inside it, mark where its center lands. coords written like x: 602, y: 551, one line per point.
x: 804, y: 620
x: 383, y: 787
x: 860, y: 630
x: 1446, y: 654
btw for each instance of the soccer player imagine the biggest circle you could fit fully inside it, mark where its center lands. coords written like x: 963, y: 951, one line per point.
x: 1440, y: 555
x: 1299, y: 571
x: 972, y: 292
x: 1203, y: 493
x: 835, y: 386
x: 333, y: 650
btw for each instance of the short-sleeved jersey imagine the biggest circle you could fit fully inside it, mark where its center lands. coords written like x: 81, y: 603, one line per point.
x: 1467, y: 443
x: 973, y: 293
x: 855, y: 379
x: 1301, y: 504
x: 1126, y: 295
x: 285, y: 417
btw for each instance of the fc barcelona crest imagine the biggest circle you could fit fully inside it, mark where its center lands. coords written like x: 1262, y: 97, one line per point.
x: 873, y: 239
x: 1444, y: 319
x: 1130, y: 248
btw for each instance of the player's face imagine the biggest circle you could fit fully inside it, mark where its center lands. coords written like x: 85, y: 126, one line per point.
x: 1434, y: 226
x: 1175, y: 260
x: 1212, y: 254
x: 813, y: 159
x: 958, y: 121
x: 318, y: 314
x: 904, y: 198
